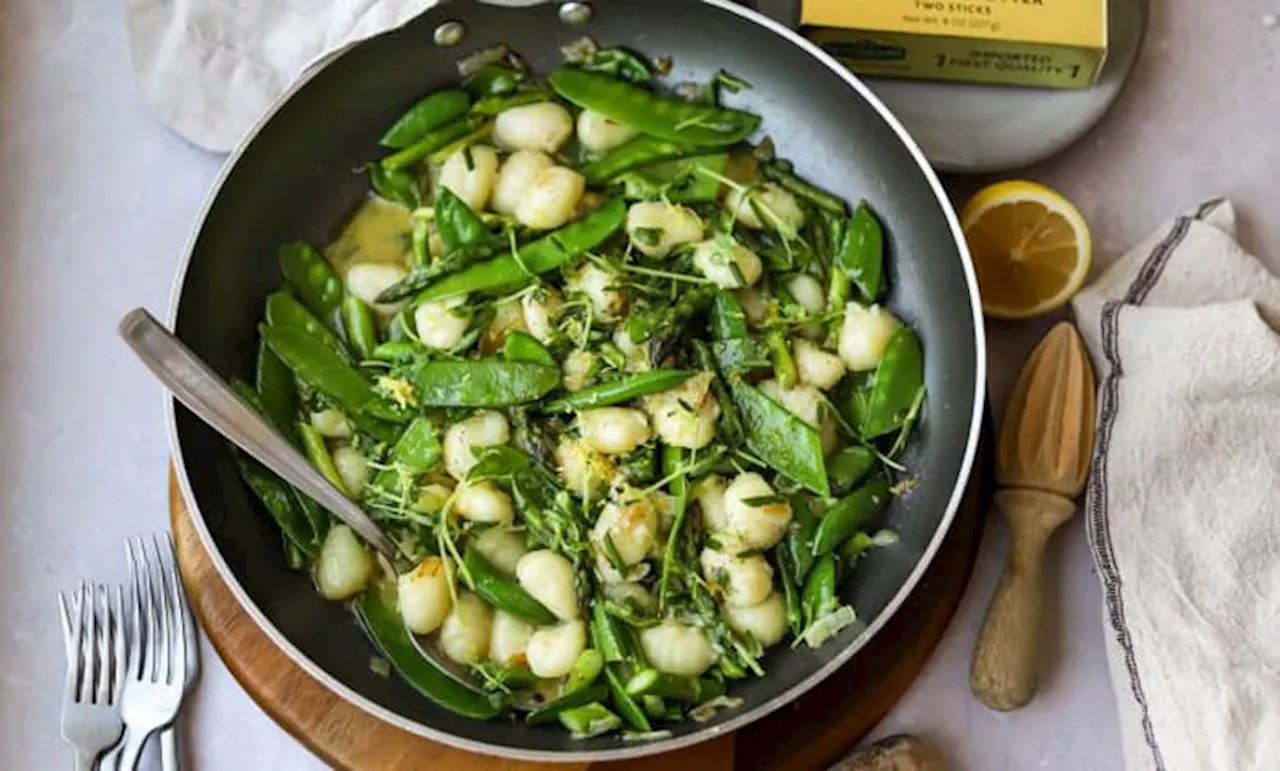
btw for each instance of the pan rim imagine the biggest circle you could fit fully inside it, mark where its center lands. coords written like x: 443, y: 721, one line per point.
x: 640, y: 749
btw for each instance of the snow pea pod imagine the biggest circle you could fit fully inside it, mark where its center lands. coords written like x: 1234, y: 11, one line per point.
x: 284, y: 310
x: 276, y: 389
x: 493, y: 80
x: 585, y: 670
x: 313, y: 278
x: 641, y: 151
x: 740, y: 355
x: 278, y: 500
x: 545, y: 254
x: 416, y: 452
x: 730, y: 420
x: 848, y: 515
x: 551, y: 711
x: 589, y: 720
x: 791, y: 595
x: 860, y: 257
x: 523, y: 347
x: 429, y: 113
x: 329, y: 374
x: 457, y: 224
x: 395, y: 185
x: 362, y: 331
x: 623, y: 389
x: 502, y: 592
x: 381, y: 621
x: 897, y: 385
x: 607, y: 636
x: 727, y: 320
x: 483, y: 383
x: 791, y: 445
x: 396, y: 352
x: 428, y: 144
x: 703, y: 125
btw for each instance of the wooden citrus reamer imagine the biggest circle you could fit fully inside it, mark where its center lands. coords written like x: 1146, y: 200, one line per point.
x: 1045, y: 447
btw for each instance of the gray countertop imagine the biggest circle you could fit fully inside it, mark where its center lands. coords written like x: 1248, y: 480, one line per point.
x: 96, y: 200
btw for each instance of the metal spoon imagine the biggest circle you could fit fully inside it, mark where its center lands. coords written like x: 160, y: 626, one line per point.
x: 200, y: 389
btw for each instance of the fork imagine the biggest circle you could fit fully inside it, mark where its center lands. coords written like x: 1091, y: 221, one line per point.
x: 169, y: 759
x: 157, y: 666
x: 91, y: 709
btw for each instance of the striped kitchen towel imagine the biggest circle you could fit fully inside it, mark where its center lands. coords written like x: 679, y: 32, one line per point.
x: 1183, y: 502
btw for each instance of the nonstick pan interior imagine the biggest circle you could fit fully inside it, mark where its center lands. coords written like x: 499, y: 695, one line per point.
x: 298, y: 175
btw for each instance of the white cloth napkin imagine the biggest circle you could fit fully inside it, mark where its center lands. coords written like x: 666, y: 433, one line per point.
x: 1183, y: 503
x: 210, y: 68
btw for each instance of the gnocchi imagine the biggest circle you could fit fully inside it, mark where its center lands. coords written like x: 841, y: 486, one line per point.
x: 614, y: 430
x: 367, y: 280
x: 769, y: 206
x: 442, y: 324
x: 816, y: 367
x: 551, y: 199
x: 758, y: 526
x: 552, y: 650
x: 471, y: 174
x: 483, y: 502
x: 766, y: 621
x: 464, y: 634
x: 343, y: 566
x: 425, y: 596
x: 677, y: 649
x: 353, y: 468
x: 516, y: 176
x: 549, y: 578
x: 483, y: 429
x: 742, y: 581
x: 628, y: 530
x: 502, y: 548
x: 864, y: 335
x: 727, y: 263
x: 542, y: 126
x: 599, y: 133
x: 600, y: 286
x: 655, y: 227
x: 686, y: 415
x: 509, y: 638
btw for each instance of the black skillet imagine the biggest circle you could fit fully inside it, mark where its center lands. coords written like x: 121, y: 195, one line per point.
x: 293, y: 178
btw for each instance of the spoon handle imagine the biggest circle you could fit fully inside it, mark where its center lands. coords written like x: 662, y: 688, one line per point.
x: 200, y: 389
x: 1003, y: 674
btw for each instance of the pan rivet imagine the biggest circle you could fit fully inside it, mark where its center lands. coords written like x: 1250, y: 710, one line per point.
x: 450, y: 34
x: 575, y: 13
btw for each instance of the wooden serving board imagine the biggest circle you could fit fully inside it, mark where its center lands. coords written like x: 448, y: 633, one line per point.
x: 811, y: 733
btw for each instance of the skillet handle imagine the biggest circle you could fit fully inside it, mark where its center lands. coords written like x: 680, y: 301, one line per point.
x: 200, y: 389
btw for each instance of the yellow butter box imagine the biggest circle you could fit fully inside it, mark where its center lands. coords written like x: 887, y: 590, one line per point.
x: 1046, y: 43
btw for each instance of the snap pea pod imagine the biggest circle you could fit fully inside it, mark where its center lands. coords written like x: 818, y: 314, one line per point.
x: 849, y: 467
x: 429, y: 113
x: 458, y: 226
x: 896, y: 386
x: 703, y: 125
x: 792, y: 446
x: 329, y: 374
x: 606, y: 636
x: 416, y: 452
x: 589, y: 720
x: 730, y: 421
x: 428, y: 144
x: 855, y: 546
x: 673, y: 461
x: 586, y: 669
x: 502, y: 592
x: 381, y: 621
x: 492, y: 105
x: 395, y: 185
x: 545, y: 254
x: 314, y: 279
x: 277, y: 498
x: 828, y: 202
x: 655, y: 707
x: 284, y: 310
x: 693, y: 690
x: 396, y: 352
x: 798, y: 544
x: 850, y: 514
x: 784, y: 365
x: 623, y: 701
x: 318, y: 453
x: 276, y: 389
x: 642, y: 151
x: 482, y: 383
x: 551, y: 711
x: 362, y: 331
x: 615, y: 62
x: 819, y: 595
x: 740, y: 355
x: 623, y: 389
x: 421, y: 276
x: 523, y: 347
x: 684, y: 180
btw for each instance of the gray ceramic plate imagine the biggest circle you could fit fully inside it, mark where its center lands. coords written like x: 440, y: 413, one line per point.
x: 979, y: 128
